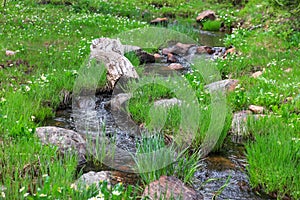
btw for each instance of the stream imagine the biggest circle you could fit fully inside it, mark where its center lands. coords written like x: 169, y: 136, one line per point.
x: 222, y: 175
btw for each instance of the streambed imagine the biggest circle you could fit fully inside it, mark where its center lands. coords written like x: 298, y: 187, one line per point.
x: 221, y: 176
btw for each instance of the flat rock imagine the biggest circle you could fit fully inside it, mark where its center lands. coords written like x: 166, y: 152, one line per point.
x: 256, y: 109
x: 176, y: 66
x: 207, y: 14
x: 169, y: 187
x: 162, y: 21
x: 178, y: 49
x: 226, y: 85
x: 92, y: 177
x: 66, y: 140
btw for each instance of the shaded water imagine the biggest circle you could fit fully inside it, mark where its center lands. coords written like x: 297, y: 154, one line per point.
x: 222, y: 175
x: 213, y: 39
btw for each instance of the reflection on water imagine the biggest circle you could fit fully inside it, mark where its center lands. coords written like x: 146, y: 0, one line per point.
x: 212, y: 39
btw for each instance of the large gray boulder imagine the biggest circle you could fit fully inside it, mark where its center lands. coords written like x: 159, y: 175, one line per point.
x: 110, y: 53
x: 67, y: 141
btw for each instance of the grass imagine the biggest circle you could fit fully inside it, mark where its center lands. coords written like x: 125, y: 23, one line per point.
x: 274, y: 157
x: 211, y: 25
x: 155, y: 159
x: 52, y: 42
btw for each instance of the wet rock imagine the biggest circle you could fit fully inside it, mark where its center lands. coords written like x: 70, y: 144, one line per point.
x: 172, y: 58
x: 168, y: 102
x: 227, y: 85
x: 91, y: 178
x: 145, y: 57
x: 110, y: 53
x: 65, y: 140
x: 157, y: 57
x: 181, y: 48
x: 159, y: 21
x: 204, y: 49
x: 10, y: 53
x: 257, y: 74
x: 165, y: 51
x: 176, y: 66
x: 170, y: 187
x: 256, y: 109
x: 207, y: 14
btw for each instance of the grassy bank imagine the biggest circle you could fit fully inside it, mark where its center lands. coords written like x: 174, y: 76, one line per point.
x: 52, y: 38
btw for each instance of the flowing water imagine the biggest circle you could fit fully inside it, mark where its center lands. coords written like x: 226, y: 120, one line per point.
x: 222, y: 175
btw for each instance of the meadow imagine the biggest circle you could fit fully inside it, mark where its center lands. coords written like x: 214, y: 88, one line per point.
x: 51, y: 39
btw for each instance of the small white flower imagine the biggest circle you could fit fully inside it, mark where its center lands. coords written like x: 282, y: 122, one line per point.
x: 45, y: 175
x: 73, y: 186
x: 5, y: 116
x: 21, y: 190
x: 26, y: 194
x: 2, y: 99
x: 3, y: 194
x: 32, y: 118
x: 116, y: 193
x: 100, y: 195
x: 96, y: 198
x: 42, y: 195
x: 27, y: 88
x: 43, y: 77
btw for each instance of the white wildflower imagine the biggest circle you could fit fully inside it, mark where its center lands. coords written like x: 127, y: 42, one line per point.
x: 116, y: 193
x: 27, y: 88
x: 21, y: 190
x: 43, y: 77
x: 42, y: 195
